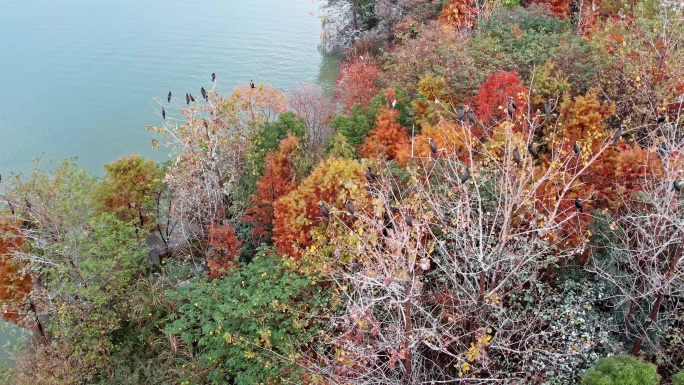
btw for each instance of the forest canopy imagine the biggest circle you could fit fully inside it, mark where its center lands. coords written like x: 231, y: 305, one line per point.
x: 491, y: 194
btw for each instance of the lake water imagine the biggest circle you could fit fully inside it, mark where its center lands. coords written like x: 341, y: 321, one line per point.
x: 77, y: 76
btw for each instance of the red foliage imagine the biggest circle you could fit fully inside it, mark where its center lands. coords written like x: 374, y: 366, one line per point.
x: 357, y: 83
x: 277, y: 181
x: 560, y: 8
x: 492, y: 98
x: 14, y: 285
x: 620, y: 172
x: 224, y: 250
x: 388, y: 137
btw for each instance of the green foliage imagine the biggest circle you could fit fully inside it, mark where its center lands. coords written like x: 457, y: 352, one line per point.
x: 354, y: 127
x: 251, y: 326
x: 89, y: 283
x: 266, y: 139
x: 130, y: 190
x: 339, y: 148
x: 678, y: 379
x: 622, y: 370
x: 520, y: 39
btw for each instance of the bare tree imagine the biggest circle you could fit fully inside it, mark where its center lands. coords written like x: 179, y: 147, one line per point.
x: 645, y: 265
x: 434, y: 272
x: 313, y: 104
x: 210, y: 141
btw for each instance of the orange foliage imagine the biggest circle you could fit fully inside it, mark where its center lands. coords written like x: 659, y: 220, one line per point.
x: 14, y: 285
x: 572, y: 225
x: 583, y: 122
x: 387, y: 138
x: 449, y: 137
x: 277, y: 181
x: 224, y: 250
x: 620, y: 172
x: 357, y: 83
x: 458, y: 13
x: 297, y: 213
x: 492, y: 98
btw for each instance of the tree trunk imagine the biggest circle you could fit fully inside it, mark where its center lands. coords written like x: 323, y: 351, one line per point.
x: 659, y: 300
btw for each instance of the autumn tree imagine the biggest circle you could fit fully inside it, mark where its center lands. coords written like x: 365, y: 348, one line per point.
x: 131, y: 189
x: 459, y: 13
x: 640, y: 64
x: 278, y: 180
x: 387, y: 138
x: 332, y: 182
x: 210, y: 142
x: 357, y: 83
x: 224, y: 250
x: 313, y: 105
x: 443, y: 277
x: 492, y: 100
x: 15, y: 284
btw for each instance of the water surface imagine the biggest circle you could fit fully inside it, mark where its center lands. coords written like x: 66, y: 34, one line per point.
x: 77, y: 76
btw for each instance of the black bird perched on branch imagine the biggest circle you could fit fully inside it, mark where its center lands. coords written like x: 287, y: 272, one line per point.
x: 617, y: 134
x: 204, y: 94
x: 576, y: 148
x: 350, y: 207
x: 10, y: 206
x: 192, y: 99
x: 675, y: 185
x: 213, y: 76
x: 433, y: 147
x: 661, y: 119
x: 511, y: 107
x: 324, y: 210
x: 516, y: 156
x: 251, y: 84
x: 371, y: 176
x: 466, y: 175
x: 163, y: 113
x: 532, y: 150
x: 471, y: 115
x: 168, y: 97
x: 460, y: 115
x: 28, y: 204
x: 187, y: 98
x: 578, y: 204
x: 511, y: 102
x: 547, y: 108
x: 408, y: 220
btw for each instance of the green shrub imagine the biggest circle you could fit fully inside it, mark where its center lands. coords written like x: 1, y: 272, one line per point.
x: 250, y: 326
x: 622, y: 370
x: 678, y: 378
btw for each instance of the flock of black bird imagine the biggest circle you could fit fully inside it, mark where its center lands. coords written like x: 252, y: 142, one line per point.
x: 466, y: 111
x: 189, y: 98
x: 371, y: 176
